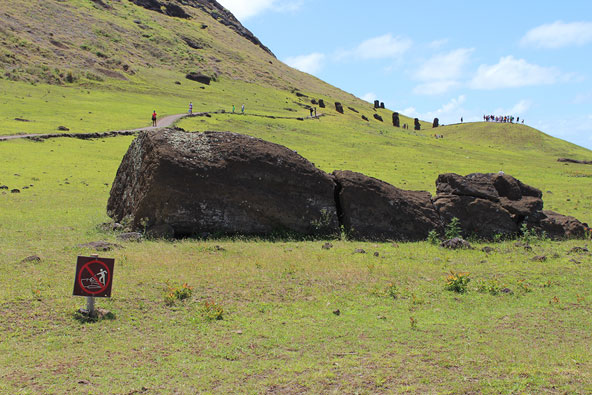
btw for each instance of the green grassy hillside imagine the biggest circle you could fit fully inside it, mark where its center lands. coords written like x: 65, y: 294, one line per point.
x: 295, y: 318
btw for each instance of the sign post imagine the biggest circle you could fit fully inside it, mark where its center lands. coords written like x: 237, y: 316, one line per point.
x: 93, y: 279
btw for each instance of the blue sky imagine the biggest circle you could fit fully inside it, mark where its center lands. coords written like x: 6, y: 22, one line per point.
x: 445, y: 59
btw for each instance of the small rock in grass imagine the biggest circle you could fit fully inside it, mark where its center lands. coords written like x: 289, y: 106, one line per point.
x: 100, y: 245
x: 359, y: 251
x: 572, y: 260
x: 507, y: 291
x: 337, y: 312
x: 218, y: 248
x: 63, y: 128
x: 85, y: 382
x: 381, y: 317
x: 32, y: 258
x: 578, y: 250
x: 394, y: 245
x: 327, y: 246
x: 3, y: 187
x: 539, y: 258
x: 487, y: 249
x: 456, y: 243
x: 130, y: 236
x: 15, y: 190
x: 376, y: 254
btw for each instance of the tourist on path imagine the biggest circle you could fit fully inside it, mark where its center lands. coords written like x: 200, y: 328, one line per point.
x: 233, y: 108
x: 243, y: 109
x: 311, y: 111
x: 154, y: 118
x: 190, y: 108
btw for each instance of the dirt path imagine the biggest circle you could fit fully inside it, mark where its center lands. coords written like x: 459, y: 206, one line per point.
x: 163, y: 122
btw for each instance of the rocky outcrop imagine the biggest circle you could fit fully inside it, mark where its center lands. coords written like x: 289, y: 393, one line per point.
x: 498, y: 204
x: 581, y: 162
x: 174, y: 8
x: 559, y: 226
x: 375, y: 210
x: 220, y: 183
x: 199, y: 77
x: 175, y: 184
x: 396, y: 121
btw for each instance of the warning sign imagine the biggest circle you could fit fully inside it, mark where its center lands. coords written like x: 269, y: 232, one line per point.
x: 94, y: 276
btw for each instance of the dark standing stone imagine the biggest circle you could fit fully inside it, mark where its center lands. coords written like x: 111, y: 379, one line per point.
x: 199, y: 77
x: 382, y: 105
x: 376, y: 104
x: 221, y: 183
x: 378, y: 117
x: 313, y: 101
x: 436, y: 123
x: 417, y: 124
x: 339, y: 107
x: 374, y: 210
x: 321, y: 103
x: 365, y: 118
x: 396, y: 121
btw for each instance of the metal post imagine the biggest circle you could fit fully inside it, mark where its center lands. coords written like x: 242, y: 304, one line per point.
x: 90, y: 300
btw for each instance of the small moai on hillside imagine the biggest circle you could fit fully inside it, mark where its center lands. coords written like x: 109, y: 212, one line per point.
x: 321, y: 103
x: 365, y: 118
x: 378, y: 117
x: 376, y: 104
x: 339, y: 107
x: 396, y: 121
x: 436, y: 123
x: 382, y: 105
x: 314, y: 101
x: 417, y: 125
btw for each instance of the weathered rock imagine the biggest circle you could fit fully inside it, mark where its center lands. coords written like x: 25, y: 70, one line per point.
x: 327, y: 246
x: 417, y: 124
x: 63, y: 128
x: 221, y: 183
x: 359, y: 251
x: 15, y: 190
x: 581, y: 162
x: 339, y: 107
x: 32, y: 258
x: 396, y: 121
x: 378, y: 117
x: 374, y: 210
x: 130, y: 236
x: 487, y: 249
x: 365, y: 118
x: 314, y: 101
x: 353, y: 110
x: 160, y: 231
x: 456, y: 244
x: 100, y: 245
x: 473, y: 185
x: 199, y: 77
x: 436, y: 123
x: 481, y: 217
x: 3, y: 187
x: 558, y: 226
x: 578, y: 250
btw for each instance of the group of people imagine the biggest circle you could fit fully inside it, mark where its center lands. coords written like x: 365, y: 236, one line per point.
x: 501, y: 118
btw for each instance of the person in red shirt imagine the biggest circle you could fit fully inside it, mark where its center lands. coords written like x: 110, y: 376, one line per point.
x: 154, y: 118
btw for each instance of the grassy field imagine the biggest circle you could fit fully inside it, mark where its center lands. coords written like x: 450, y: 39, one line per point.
x: 398, y: 328
x: 294, y: 317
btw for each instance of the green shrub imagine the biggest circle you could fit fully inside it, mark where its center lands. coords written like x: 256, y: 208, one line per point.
x: 433, y: 237
x: 453, y: 229
x: 212, y: 311
x: 457, y: 282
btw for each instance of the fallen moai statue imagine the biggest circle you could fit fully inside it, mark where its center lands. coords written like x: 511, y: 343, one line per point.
x: 177, y: 184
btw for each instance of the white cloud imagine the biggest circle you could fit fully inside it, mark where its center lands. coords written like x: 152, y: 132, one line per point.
x: 444, y: 66
x: 559, y: 34
x: 438, y: 43
x: 519, y: 108
x: 441, y: 72
x: 450, y: 112
x: 311, y: 63
x: 369, y: 97
x: 435, y: 87
x: 382, y: 47
x: 512, y: 73
x: 243, y: 10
